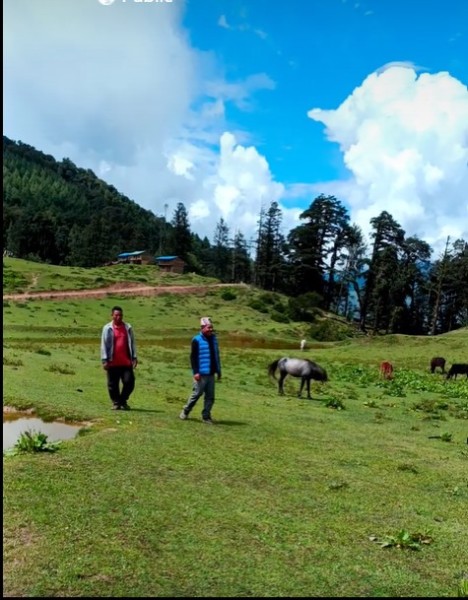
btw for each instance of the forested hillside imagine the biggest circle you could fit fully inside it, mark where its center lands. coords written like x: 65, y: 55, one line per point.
x: 59, y: 213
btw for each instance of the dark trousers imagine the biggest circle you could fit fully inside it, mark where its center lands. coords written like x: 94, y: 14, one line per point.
x: 115, y: 375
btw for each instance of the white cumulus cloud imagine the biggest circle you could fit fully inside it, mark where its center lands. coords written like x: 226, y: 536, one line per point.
x: 404, y: 140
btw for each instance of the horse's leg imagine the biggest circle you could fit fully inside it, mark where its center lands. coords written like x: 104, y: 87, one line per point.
x: 302, y: 385
x: 308, y: 389
x: 280, y: 384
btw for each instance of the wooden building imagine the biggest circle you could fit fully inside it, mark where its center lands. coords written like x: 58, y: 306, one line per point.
x: 139, y: 257
x: 170, y: 264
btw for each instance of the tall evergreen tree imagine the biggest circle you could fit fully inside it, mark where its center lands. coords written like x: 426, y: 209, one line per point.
x: 221, y: 251
x: 270, y: 262
x: 181, y: 239
x: 316, y: 247
x: 388, y: 237
x: 241, y: 261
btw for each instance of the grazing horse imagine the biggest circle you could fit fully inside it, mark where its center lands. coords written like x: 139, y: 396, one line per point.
x: 386, y: 370
x: 438, y: 361
x: 458, y: 369
x: 297, y: 367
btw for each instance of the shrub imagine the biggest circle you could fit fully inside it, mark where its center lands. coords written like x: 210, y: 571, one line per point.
x: 278, y: 317
x: 328, y: 331
x: 258, y: 305
x: 304, y: 307
x: 228, y: 295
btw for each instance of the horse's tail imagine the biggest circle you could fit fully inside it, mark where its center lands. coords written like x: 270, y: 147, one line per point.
x: 272, y: 368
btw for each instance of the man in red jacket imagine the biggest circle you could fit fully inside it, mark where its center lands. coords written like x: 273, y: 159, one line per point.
x: 118, y: 356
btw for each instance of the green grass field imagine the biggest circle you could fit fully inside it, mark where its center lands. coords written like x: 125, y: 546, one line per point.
x: 282, y: 497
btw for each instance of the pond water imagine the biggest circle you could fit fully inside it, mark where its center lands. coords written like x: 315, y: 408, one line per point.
x: 15, y: 424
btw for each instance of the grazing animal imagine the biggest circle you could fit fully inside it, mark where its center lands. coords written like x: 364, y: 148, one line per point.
x: 386, y: 370
x: 297, y: 367
x: 458, y: 369
x: 438, y: 361
x: 303, y: 344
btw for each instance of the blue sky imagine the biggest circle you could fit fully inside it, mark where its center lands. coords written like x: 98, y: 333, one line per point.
x: 226, y: 105
x: 316, y: 52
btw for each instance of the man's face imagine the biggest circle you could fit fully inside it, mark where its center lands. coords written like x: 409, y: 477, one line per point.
x: 207, y: 330
x: 117, y: 317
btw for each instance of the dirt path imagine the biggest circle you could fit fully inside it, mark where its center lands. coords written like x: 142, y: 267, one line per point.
x: 121, y: 290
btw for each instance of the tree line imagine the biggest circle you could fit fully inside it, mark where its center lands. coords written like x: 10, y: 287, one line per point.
x: 59, y: 213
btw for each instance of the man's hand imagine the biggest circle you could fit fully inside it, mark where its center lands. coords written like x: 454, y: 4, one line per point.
x: 104, y: 365
x: 219, y: 376
x: 197, y: 376
x: 135, y: 363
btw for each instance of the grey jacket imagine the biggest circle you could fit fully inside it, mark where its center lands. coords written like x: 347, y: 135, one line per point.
x: 107, y: 342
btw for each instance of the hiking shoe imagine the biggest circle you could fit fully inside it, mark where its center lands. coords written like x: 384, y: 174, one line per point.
x: 125, y: 407
x: 183, y: 415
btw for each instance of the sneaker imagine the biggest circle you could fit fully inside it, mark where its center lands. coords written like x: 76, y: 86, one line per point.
x: 183, y: 415
x: 208, y: 421
x: 115, y: 407
x: 125, y: 407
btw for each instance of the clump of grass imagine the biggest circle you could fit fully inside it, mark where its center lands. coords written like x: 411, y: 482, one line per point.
x: 430, y: 406
x: 404, y: 540
x: 31, y: 442
x: 44, y: 352
x: 462, y: 591
x: 12, y: 362
x: 335, y: 403
x: 407, y: 467
x: 63, y: 369
x: 444, y: 437
x: 338, y: 485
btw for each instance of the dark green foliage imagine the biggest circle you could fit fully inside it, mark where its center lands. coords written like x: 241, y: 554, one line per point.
x: 56, y: 212
x: 328, y: 330
x: 259, y: 305
x: 278, y: 317
x: 304, y: 307
x: 228, y: 296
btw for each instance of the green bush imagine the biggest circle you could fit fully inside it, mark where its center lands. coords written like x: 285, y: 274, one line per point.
x: 258, y: 305
x: 329, y: 331
x: 228, y: 296
x: 304, y: 307
x: 279, y: 318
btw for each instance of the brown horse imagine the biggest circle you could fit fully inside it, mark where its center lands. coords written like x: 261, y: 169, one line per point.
x: 438, y: 361
x: 386, y: 370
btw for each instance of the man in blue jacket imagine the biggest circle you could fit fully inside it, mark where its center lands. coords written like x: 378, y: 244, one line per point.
x: 206, y: 363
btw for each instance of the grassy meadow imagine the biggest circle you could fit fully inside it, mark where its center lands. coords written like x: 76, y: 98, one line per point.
x: 361, y: 491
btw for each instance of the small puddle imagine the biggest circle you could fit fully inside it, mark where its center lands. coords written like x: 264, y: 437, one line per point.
x: 14, y: 424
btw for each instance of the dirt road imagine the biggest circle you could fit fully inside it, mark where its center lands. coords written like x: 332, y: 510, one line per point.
x: 120, y: 290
